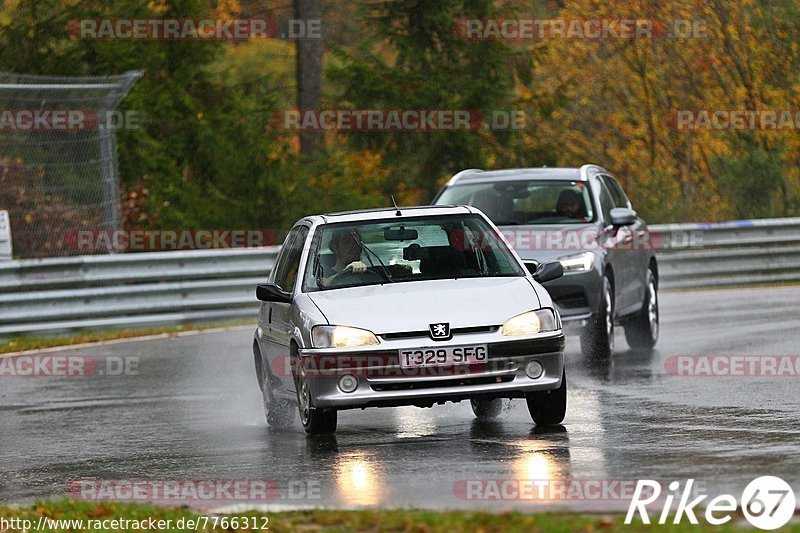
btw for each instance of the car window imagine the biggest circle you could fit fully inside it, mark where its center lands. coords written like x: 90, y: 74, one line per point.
x: 606, y: 202
x: 617, y: 194
x: 289, y: 262
x: 415, y: 249
x: 525, y: 201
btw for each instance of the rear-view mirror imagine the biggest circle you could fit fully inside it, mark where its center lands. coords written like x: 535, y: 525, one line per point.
x: 400, y: 234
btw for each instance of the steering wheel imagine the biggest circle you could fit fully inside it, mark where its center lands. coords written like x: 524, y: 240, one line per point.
x: 348, y: 273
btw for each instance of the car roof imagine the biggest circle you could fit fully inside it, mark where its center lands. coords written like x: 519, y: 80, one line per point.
x: 475, y: 175
x: 391, y: 212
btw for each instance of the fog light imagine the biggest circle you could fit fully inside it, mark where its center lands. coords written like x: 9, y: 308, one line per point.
x: 534, y: 369
x: 348, y: 383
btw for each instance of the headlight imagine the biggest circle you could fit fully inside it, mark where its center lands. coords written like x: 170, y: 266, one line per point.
x: 578, y: 262
x: 341, y: 337
x: 530, y: 323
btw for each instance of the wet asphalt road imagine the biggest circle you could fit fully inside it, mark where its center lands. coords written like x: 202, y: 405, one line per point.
x: 194, y: 412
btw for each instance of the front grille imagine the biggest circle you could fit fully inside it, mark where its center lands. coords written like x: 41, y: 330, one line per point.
x: 426, y: 333
x: 440, y: 383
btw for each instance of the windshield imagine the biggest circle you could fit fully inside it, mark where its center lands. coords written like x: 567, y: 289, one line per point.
x: 525, y: 202
x: 416, y: 249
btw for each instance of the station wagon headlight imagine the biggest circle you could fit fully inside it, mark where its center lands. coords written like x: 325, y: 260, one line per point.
x: 530, y: 323
x: 341, y: 337
x: 578, y: 262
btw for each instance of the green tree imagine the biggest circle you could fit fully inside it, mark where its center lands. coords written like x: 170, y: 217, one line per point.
x: 410, y: 57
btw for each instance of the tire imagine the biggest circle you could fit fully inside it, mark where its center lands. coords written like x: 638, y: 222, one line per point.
x: 642, y: 331
x: 486, y: 409
x: 315, y: 421
x: 549, y: 408
x: 279, y: 413
x: 597, y: 340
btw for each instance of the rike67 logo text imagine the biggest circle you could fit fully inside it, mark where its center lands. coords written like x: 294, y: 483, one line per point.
x: 767, y: 502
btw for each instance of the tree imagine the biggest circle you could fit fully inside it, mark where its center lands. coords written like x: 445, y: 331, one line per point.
x: 309, y: 72
x: 410, y: 58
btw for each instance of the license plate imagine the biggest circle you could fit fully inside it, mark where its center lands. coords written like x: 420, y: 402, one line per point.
x: 444, y: 356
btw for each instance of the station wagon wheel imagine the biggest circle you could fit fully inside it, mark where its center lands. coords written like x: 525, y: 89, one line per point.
x: 642, y: 331
x: 315, y: 421
x: 597, y: 340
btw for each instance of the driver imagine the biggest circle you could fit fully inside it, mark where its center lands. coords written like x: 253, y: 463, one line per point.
x: 345, y: 247
x: 570, y: 204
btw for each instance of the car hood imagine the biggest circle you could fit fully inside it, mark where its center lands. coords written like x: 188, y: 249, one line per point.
x: 549, y: 242
x: 413, y: 306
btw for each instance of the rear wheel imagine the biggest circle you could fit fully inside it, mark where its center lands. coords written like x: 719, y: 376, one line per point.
x: 597, y: 340
x: 549, y: 408
x: 486, y: 409
x: 315, y: 421
x: 642, y: 331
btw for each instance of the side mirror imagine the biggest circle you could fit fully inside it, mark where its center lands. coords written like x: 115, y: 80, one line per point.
x: 548, y: 272
x: 269, y: 292
x: 622, y: 216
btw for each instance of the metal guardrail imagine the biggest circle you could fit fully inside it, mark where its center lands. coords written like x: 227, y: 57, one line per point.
x: 747, y: 252
x: 144, y: 289
x: 130, y: 290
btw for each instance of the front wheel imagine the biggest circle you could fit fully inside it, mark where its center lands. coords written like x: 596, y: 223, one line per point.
x: 486, y: 409
x: 315, y: 421
x: 549, y: 408
x: 597, y: 340
x: 279, y: 412
x: 642, y: 331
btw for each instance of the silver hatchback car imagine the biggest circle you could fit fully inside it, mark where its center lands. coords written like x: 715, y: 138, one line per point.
x: 405, y: 306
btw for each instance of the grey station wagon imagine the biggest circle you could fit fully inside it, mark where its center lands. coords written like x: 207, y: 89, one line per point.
x: 582, y: 218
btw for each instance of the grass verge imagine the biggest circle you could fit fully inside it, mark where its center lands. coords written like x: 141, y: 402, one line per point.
x: 19, y: 344
x: 418, y: 521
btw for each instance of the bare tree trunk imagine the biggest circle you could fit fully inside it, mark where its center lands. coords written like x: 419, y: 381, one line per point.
x: 687, y: 178
x: 308, y: 72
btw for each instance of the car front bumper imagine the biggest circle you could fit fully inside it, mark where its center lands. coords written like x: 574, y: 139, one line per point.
x: 387, y: 384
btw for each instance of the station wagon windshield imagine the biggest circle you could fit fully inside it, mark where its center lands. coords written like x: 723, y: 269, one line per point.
x: 525, y: 202
x: 414, y: 249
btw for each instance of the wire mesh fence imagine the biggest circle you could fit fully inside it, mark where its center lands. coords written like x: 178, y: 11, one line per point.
x: 58, y: 158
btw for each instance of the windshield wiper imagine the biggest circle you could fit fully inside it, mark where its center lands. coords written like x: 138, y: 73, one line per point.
x: 368, y: 252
